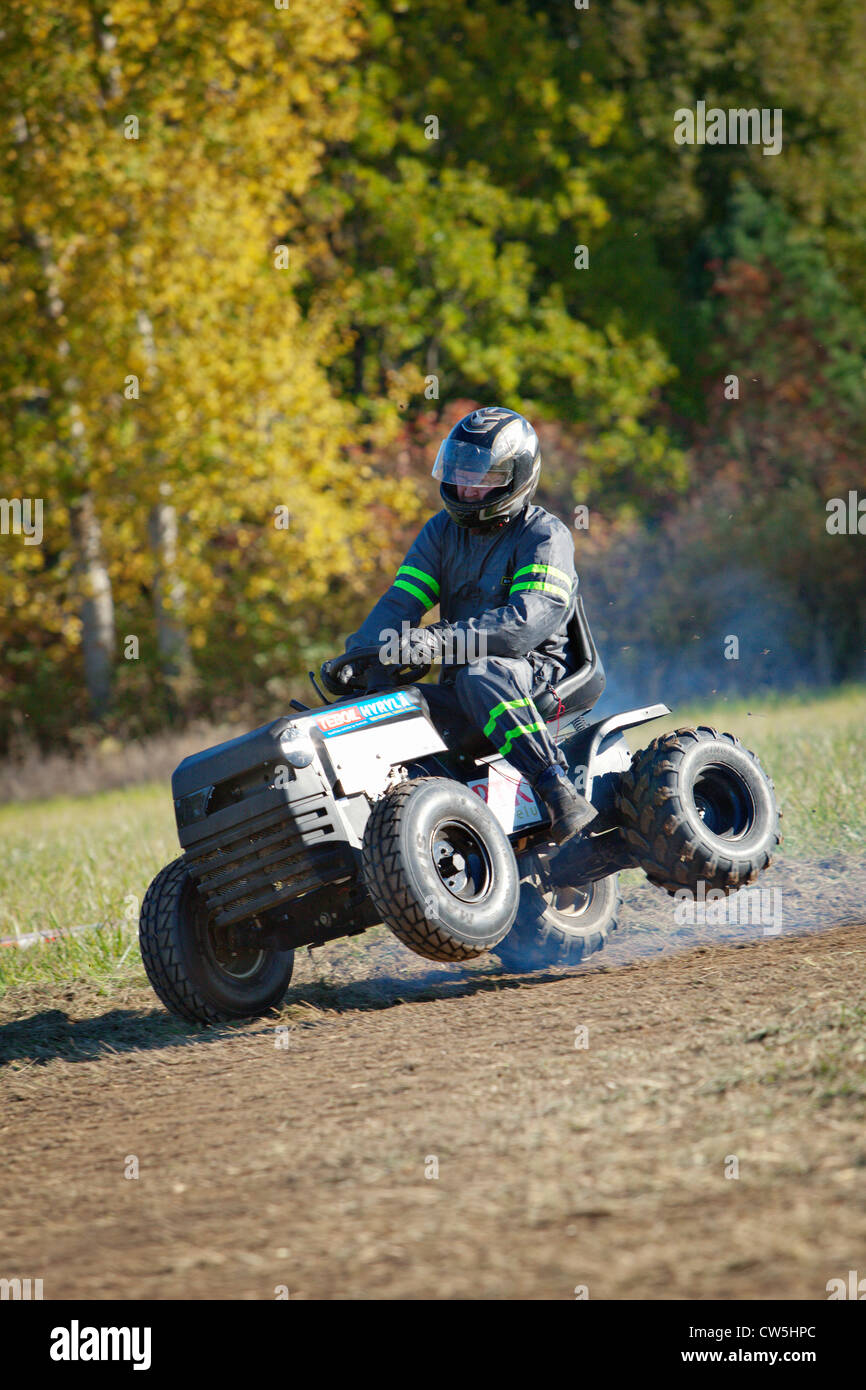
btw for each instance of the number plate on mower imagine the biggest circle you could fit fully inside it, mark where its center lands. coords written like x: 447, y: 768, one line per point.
x: 509, y: 796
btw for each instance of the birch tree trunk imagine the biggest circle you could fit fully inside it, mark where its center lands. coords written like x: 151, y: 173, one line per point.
x: 96, y: 603
x: 168, y: 593
x: 94, y: 596
x: 172, y: 642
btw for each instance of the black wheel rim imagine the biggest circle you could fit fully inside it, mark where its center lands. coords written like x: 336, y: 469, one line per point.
x: 230, y: 958
x: 461, y: 860
x: 238, y: 962
x: 568, y: 905
x: 724, y: 802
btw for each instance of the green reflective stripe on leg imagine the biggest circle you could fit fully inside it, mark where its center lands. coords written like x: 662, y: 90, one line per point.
x: 426, y: 579
x: 500, y: 709
x: 514, y: 733
x: 544, y: 569
x: 545, y: 588
x: 413, y: 589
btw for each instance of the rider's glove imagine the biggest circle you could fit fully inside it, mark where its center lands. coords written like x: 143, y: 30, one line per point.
x: 444, y: 634
x: 422, y: 646
x: 335, y: 685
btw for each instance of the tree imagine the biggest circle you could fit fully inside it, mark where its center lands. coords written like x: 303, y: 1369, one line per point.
x: 153, y: 348
x: 450, y: 225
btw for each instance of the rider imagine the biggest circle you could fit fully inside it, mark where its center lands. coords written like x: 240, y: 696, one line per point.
x: 502, y: 571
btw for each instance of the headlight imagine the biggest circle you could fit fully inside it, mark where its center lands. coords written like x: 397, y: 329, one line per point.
x: 192, y: 807
x: 296, y: 747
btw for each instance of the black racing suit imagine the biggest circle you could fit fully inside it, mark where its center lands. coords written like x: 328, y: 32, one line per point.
x: 507, y: 595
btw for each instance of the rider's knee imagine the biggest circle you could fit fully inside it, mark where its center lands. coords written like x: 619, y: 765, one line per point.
x: 476, y: 671
x: 498, y: 673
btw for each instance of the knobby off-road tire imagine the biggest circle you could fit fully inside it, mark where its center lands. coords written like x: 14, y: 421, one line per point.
x: 193, y: 976
x: 459, y: 909
x: 559, y: 927
x: 696, y: 806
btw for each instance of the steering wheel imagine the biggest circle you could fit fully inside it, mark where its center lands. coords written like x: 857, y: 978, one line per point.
x: 364, y: 670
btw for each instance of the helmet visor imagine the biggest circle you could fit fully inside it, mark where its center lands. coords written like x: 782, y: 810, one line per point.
x: 470, y: 465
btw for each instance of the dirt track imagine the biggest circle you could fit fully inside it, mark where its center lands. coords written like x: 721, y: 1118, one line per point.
x: 558, y: 1166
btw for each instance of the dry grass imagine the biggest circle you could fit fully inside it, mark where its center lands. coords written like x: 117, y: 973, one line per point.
x: 33, y: 775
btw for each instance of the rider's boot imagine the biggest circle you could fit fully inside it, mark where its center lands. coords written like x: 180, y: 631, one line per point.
x: 569, y: 810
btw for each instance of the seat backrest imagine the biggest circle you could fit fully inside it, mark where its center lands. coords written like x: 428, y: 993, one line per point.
x: 581, y: 689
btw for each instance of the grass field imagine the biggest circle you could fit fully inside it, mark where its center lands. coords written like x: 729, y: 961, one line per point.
x: 89, y: 859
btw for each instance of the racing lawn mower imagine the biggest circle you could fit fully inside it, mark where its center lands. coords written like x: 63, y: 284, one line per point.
x: 333, y: 819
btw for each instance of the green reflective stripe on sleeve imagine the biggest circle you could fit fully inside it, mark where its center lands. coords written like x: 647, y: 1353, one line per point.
x: 413, y: 589
x: 545, y: 588
x: 426, y: 579
x: 545, y: 569
x: 514, y: 733
x: 499, y: 709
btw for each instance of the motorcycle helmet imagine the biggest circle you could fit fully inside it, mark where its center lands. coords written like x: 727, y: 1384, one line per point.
x: 495, y: 454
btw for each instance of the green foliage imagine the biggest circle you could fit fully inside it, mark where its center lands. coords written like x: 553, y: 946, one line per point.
x: 421, y: 275
x: 154, y: 261
x: 808, y: 298
x: 456, y: 253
